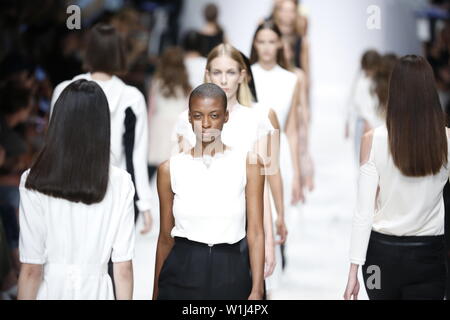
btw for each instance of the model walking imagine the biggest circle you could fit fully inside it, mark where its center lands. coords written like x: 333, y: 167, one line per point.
x: 211, y: 198
x: 398, y: 226
x: 76, y: 210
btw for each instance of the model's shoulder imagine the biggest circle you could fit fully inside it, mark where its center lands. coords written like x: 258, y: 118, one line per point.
x: 164, y: 168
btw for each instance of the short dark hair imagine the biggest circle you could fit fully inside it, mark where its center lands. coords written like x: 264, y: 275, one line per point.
x: 14, y: 97
x: 74, y: 162
x: 209, y: 90
x: 105, y: 50
x: 191, y: 41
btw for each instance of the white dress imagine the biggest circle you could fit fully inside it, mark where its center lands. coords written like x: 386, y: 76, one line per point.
x: 275, y: 89
x: 75, y: 241
x: 162, y: 119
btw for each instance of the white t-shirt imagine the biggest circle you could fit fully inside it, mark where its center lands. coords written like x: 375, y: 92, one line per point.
x: 120, y: 97
x: 404, y: 206
x: 74, y: 241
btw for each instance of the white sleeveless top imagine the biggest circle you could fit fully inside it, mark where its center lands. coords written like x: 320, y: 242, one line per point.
x: 275, y: 89
x: 404, y: 206
x: 209, y: 203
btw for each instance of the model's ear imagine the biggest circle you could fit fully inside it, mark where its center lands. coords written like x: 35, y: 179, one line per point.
x: 242, y: 75
x: 226, y: 116
x: 189, y: 116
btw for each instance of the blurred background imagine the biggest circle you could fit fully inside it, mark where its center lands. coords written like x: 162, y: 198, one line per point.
x: 342, y: 39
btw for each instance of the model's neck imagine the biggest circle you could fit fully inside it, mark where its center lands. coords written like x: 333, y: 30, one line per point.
x: 192, y: 54
x: 101, y: 76
x: 267, y: 65
x: 231, y: 103
x: 202, y: 149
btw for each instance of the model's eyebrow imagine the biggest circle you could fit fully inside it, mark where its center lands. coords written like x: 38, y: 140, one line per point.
x: 229, y: 69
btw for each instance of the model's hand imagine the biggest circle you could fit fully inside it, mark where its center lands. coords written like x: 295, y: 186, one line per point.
x: 352, y: 288
x: 255, y: 295
x: 148, y: 222
x: 297, y: 192
x: 281, y: 231
x: 269, y: 256
x: 347, y: 130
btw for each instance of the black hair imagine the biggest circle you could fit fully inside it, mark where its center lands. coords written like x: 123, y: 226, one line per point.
x: 191, y: 41
x: 209, y: 90
x: 268, y: 25
x: 74, y: 162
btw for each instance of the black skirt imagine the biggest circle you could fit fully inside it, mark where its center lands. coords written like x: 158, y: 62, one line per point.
x: 197, y: 271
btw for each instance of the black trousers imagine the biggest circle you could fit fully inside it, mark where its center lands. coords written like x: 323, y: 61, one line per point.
x: 196, y: 271
x: 408, y: 268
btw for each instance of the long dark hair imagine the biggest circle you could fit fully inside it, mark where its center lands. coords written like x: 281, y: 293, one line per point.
x: 270, y: 25
x: 415, y: 120
x: 74, y: 162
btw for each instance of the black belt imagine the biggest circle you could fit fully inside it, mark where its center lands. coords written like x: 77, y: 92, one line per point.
x: 407, y: 241
x: 185, y: 241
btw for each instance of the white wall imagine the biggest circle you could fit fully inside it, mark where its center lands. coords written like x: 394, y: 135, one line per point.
x: 339, y: 36
x: 338, y: 32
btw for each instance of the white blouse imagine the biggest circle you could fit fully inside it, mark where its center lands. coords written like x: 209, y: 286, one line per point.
x: 404, y: 206
x: 366, y: 102
x: 209, y: 204
x: 75, y: 241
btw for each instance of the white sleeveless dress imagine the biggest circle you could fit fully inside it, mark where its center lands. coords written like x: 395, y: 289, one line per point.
x: 275, y: 89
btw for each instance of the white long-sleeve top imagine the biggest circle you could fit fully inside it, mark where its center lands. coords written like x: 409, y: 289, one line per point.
x: 120, y: 97
x: 403, y: 206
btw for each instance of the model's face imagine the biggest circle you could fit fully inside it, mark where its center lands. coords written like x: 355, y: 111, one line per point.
x: 267, y: 44
x: 287, y: 12
x: 225, y: 73
x: 207, y: 117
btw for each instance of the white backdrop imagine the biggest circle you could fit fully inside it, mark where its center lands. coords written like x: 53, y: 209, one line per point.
x: 338, y: 31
